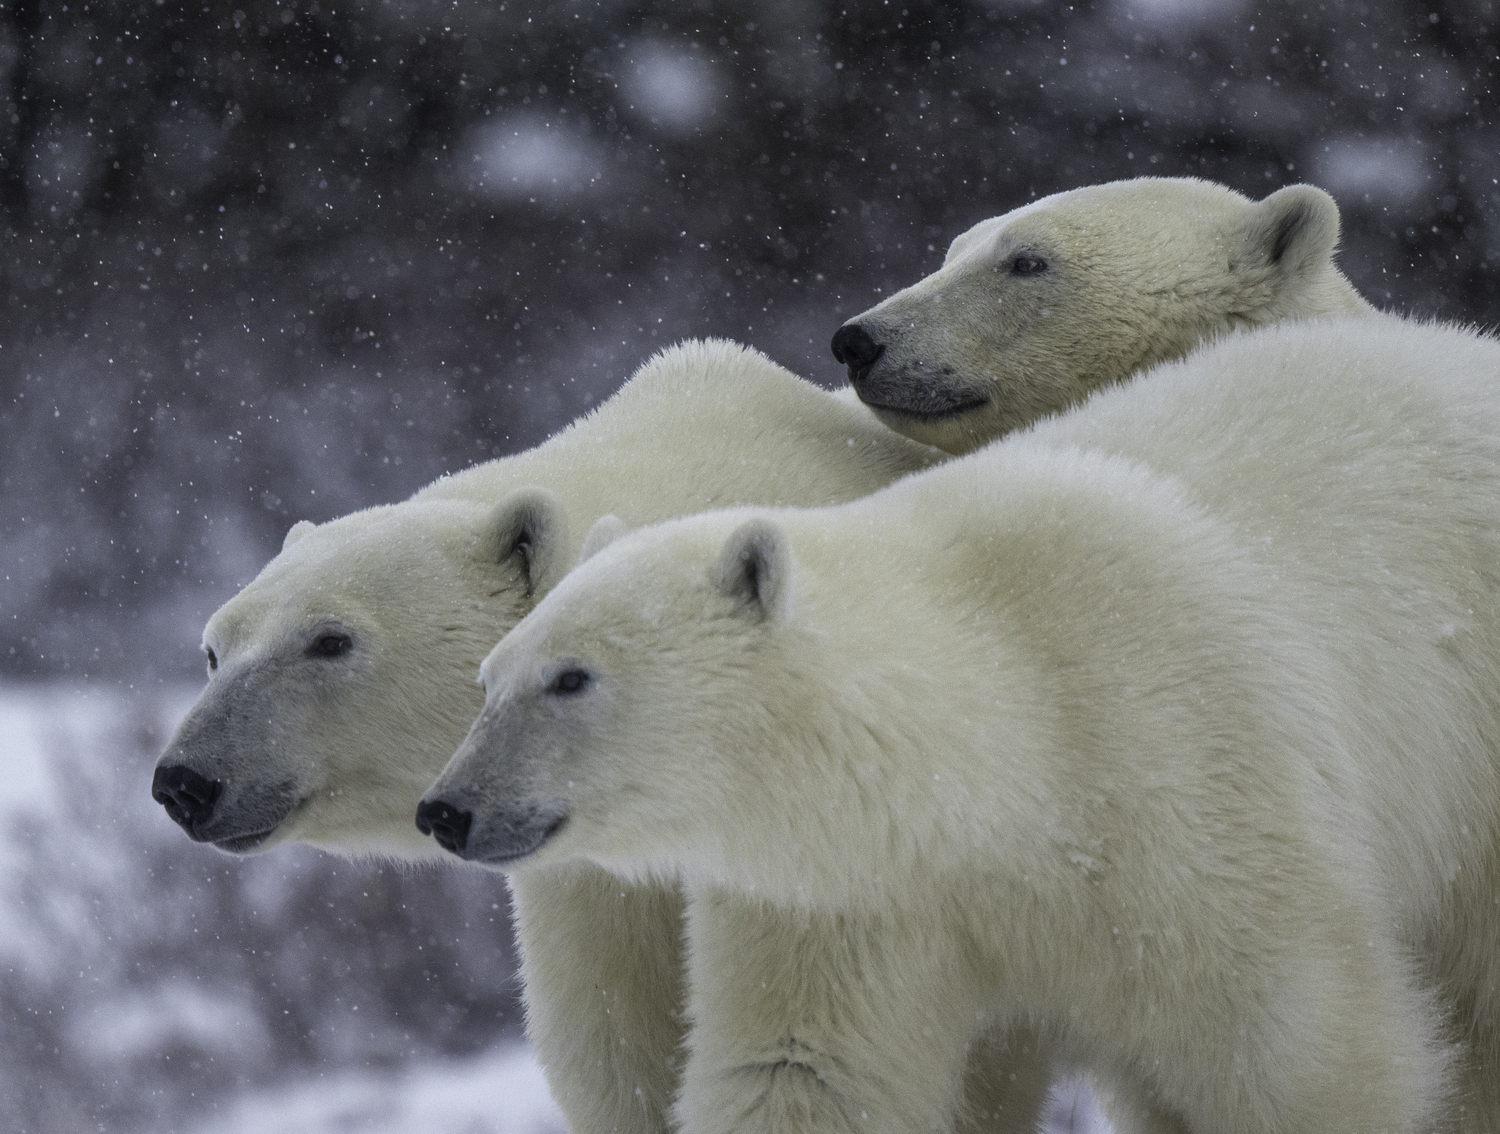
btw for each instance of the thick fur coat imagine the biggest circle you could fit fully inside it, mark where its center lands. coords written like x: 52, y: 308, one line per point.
x: 1170, y: 728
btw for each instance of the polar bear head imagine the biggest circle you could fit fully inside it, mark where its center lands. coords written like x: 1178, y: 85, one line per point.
x: 342, y: 677
x: 712, y: 695
x: 637, y: 641
x: 1033, y: 310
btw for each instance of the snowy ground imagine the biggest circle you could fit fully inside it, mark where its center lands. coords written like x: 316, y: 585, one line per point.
x: 147, y: 983
x: 501, y: 1092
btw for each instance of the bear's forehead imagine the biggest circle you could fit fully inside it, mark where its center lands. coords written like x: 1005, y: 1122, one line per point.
x: 1149, y: 202
x: 1150, y: 192
x: 977, y: 237
x: 1036, y: 220
x: 631, y: 578
x: 1035, y: 208
x: 372, y: 543
x: 1152, y: 213
x: 339, y: 564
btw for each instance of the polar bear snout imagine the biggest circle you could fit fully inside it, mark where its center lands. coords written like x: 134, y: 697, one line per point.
x: 853, y: 346
x: 188, y: 797
x: 500, y: 838
x: 446, y: 822
x: 232, y: 816
x: 889, y: 379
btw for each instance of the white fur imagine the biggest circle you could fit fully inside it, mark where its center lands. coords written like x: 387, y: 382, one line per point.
x: 1136, y: 273
x: 336, y: 751
x: 1170, y: 728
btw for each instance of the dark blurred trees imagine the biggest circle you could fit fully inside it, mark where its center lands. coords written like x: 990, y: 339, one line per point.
x: 286, y: 259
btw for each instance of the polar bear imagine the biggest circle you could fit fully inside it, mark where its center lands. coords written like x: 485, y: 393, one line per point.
x: 1034, y: 310
x: 1170, y: 726
x: 342, y: 678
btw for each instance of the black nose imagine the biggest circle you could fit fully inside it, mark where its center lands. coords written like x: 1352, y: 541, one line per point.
x: 188, y: 797
x: 448, y: 824
x: 853, y: 346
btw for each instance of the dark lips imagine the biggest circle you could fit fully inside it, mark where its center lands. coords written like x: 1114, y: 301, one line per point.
x: 929, y: 415
x: 243, y: 844
x: 519, y: 851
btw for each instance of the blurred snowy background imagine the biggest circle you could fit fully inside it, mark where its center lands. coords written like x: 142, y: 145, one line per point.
x: 286, y: 259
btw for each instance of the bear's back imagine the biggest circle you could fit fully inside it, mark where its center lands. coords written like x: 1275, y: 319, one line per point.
x: 1337, y: 437
x: 705, y: 424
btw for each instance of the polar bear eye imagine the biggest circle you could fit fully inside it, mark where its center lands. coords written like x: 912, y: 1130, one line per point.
x: 568, y: 682
x: 330, y: 646
x: 213, y: 659
x: 1025, y: 264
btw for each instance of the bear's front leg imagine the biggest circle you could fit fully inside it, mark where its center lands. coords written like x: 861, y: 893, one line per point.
x: 603, y: 970
x: 819, y: 1023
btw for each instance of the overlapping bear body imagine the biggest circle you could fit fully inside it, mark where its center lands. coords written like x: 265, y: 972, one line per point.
x: 372, y: 714
x: 1171, y: 726
x: 1034, y: 310
x: 342, y: 678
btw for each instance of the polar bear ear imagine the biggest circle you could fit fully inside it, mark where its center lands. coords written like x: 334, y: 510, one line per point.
x: 753, y: 568
x: 605, y: 531
x: 529, y: 526
x: 1293, y: 232
x: 296, y: 532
